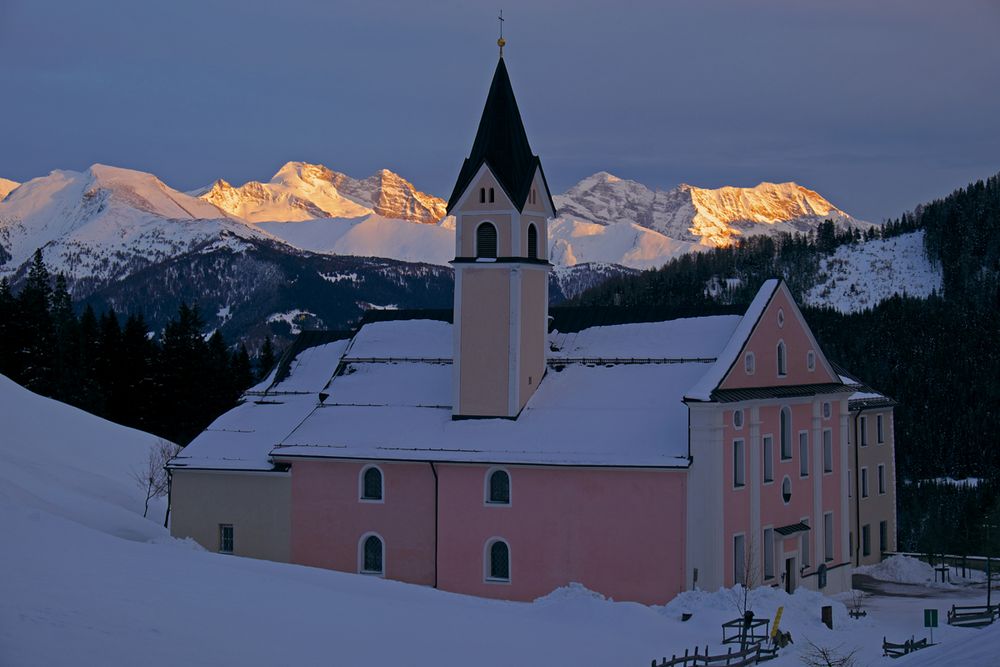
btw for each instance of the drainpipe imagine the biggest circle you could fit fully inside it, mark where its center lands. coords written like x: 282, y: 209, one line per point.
x: 434, y: 470
x: 170, y: 485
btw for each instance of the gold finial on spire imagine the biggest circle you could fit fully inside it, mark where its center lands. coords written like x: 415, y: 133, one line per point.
x: 501, y: 42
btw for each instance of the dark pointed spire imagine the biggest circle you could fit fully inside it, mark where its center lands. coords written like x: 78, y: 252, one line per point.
x: 501, y: 143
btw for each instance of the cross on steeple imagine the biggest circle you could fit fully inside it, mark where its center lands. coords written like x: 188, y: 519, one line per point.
x: 501, y: 42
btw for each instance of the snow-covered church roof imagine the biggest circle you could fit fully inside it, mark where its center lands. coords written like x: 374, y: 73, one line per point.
x: 612, y: 395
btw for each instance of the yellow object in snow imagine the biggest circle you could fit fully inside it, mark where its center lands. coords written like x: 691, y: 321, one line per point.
x: 777, y: 621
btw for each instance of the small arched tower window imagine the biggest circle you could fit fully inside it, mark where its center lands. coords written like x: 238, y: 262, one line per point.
x: 372, y: 551
x: 498, y: 491
x: 482, y: 195
x: 371, y: 484
x: 486, y: 240
x: 532, y: 241
x: 782, y: 366
x: 498, y: 561
x: 491, y: 195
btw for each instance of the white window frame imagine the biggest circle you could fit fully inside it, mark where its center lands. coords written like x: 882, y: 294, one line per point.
x: 781, y: 356
x: 531, y: 227
x: 487, y: 562
x: 864, y: 481
x: 767, y: 458
x: 361, y: 555
x: 828, y: 451
x: 883, y: 536
x: 863, y: 422
x: 866, y: 540
x: 232, y: 538
x: 738, y: 424
x: 739, y: 463
x: 803, y: 454
x: 880, y: 429
x: 486, y: 488
x: 750, y: 363
x: 786, y: 480
x: 811, y: 361
x: 781, y: 318
x: 880, y: 478
x: 828, y: 550
x: 827, y: 410
x: 361, y: 484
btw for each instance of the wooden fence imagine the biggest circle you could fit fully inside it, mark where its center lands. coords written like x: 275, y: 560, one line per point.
x: 973, y: 617
x: 751, y: 655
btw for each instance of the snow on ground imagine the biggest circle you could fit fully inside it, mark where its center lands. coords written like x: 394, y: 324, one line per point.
x: 859, y: 276
x: 87, y: 581
x: 293, y: 318
x: 907, y: 570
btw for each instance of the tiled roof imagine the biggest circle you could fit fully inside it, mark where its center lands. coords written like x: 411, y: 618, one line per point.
x: 793, y: 391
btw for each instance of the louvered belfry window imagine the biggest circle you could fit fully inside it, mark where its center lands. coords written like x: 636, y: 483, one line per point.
x: 486, y: 240
x: 532, y: 242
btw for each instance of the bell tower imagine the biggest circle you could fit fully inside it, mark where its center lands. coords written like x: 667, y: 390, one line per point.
x: 501, y: 203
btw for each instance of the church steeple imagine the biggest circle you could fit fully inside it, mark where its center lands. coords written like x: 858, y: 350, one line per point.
x: 502, y: 144
x: 501, y: 205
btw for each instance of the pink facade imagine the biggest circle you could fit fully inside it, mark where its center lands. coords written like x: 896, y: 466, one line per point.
x: 617, y: 532
x: 562, y: 525
x: 329, y: 518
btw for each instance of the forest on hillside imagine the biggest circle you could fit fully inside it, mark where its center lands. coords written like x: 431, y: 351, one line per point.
x: 173, y: 384
x: 939, y: 357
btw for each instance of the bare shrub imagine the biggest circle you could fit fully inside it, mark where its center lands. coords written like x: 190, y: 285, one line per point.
x: 153, y: 478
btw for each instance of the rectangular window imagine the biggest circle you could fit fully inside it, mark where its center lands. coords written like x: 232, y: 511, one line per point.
x: 768, y: 553
x: 226, y: 538
x: 768, y: 457
x: 804, y: 545
x: 883, y: 536
x: 827, y: 450
x: 739, y: 470
x: 828, y: 536
x: 881, y: 479
x: 864, y: 482
x: 879, y: 429
x: 864, y: 431
x: 739, y: 559
x: 866, y: 540
x: 804, y: 454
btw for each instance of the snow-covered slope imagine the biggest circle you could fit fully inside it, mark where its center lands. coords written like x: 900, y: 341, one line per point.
x: 302, y: 191
x: 88, y: 581
x: 6, y: 185
x: 106, y: 222
x: 573, y: 241
x: 67, y: 462
x: 859, y: 276
x: 708, y: 217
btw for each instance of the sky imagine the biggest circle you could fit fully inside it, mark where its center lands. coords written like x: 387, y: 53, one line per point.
x: 878, y: 105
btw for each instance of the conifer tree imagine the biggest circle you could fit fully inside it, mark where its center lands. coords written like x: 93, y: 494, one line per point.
x: 266, y: 359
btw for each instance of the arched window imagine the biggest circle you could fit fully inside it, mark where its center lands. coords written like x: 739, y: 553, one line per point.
x: 532, y: 242
x: 491, y: 195
x: 482, y: 195
x: 782, y: 367
x: 371, y: 484
x: 786, y: 489
x: 497, y: 561
x: 785, y: 424
x: 811, y: 360
x: 372, y: 555
x: 750, y: 363
x: 486, y: 240
x: 498, y: 488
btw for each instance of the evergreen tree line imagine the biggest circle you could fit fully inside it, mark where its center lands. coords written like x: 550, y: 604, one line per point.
x: 172, y: 385
x: 937, y: 517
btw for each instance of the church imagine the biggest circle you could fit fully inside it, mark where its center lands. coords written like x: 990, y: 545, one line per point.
x: 505, y: 448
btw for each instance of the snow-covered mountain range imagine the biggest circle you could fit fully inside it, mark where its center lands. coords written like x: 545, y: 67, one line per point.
x: 125, y: 238
x: 6, y: 185
x: 712, y: 218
